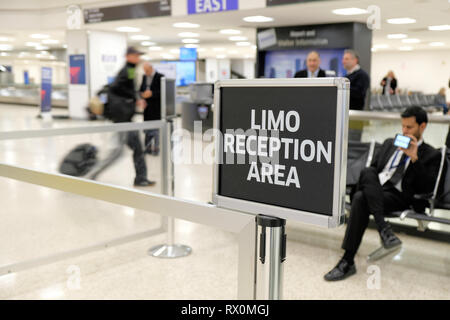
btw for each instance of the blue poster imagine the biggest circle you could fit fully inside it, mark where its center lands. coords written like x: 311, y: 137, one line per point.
x: 26, y: 77
x: 46, y: 89
x: 77, y: 69
x: 206, y: 6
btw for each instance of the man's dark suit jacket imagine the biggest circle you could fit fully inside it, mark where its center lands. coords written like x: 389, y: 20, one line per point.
x: 359, y: 83
x: 153, y: 110
x: 419, y: 177
x: 304, y: 74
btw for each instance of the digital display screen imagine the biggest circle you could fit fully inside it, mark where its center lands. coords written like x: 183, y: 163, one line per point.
x: 284, y: 64
x: 186, y: 72
x: 188, y: 54
x: 402, y: 141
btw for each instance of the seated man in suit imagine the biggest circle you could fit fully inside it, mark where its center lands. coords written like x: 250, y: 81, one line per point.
x: 388, y: 185
x: 313, y: 67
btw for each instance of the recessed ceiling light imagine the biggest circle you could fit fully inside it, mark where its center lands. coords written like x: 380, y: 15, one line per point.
x: 411, y: 40
x: 188, y: 35
x: 65, y: 46
x: 6, y: 39
x: 4, y: 54
x: 221, y: 56
x: 155, y: 48
x: 45, y: 52
x: 258, y: 19
x: 167, y: 56
x: 349, y: 11
x: 437, y: 44
x: 233, y: 52
x: 397, y: 36
x: 381, y: 46
x: 39, y: 36
x: 238, y: 38
x: 254, y: 47
x: 373, y: 49
x: 243, y: 44
x: 147, y: 43
x: 199, y: 49
x: 401, y: 21
x: 175, y: 51
x: 439, y: 28
x: 128, y: 29
x: 219, y: 49
x: 41, y: 48
x: 190, y: 41
x: 5, y: 47
x: 185, y: 25
x: 191, y: 45
x: 230, y: 31
x: 405, y: 48
x: 140, y: 37
x: 50, y: 41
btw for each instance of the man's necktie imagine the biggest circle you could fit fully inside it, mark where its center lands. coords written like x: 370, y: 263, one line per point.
x: 398, y: 174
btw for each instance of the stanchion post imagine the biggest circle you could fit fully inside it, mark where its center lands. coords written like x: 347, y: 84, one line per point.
x: 270, y: 255
x: 170, y: 249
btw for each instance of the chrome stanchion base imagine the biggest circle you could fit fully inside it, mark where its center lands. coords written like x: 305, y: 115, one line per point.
x: 170, y: 251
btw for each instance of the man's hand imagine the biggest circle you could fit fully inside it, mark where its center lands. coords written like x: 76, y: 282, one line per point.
x: 412, y: 150
x: 141, y: 104
x: 146, y: 94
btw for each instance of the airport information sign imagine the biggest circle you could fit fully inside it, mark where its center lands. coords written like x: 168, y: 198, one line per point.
x: 46, y: 89
x: 282, y: 147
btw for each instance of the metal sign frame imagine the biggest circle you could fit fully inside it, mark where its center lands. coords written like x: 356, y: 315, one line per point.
x: 163, y: 97
x: 340, y: 155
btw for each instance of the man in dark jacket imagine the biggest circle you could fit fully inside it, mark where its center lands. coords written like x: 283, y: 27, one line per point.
x: 312, y: 67
x: 150, y: 90
x: 388, y: 185
x: 121, y: 107
x: 359, y: 79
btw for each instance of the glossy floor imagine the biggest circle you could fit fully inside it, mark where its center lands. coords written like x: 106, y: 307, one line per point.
x: 38, y: 221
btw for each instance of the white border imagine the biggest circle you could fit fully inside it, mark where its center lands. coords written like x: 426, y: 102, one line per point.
x: 340, y: 154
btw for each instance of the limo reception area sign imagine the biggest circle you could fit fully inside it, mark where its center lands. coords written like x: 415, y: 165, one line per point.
x: 282, y: 147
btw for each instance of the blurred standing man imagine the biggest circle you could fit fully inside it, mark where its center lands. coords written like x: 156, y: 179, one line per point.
x: 151, y: 91
x: 312, y: 67
x: 359, y: 79
x: 359, y: 83
x: 121, y: 107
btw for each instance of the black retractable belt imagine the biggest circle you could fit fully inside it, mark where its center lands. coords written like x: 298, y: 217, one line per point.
x: 271, y: 239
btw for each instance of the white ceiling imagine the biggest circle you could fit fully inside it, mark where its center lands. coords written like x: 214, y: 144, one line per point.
x: 51, y: 20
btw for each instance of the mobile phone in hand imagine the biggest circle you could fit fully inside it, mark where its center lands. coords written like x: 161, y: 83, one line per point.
x: 402, y: 141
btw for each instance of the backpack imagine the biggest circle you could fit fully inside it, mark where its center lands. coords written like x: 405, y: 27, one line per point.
x: 98, y: 104
x: 79, y: 160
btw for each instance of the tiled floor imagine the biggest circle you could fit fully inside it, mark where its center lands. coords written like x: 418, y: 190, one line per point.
x: 37, y: 221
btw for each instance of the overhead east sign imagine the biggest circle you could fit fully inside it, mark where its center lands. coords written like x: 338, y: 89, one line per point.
x: 208, y: 6
x: 282, y: 147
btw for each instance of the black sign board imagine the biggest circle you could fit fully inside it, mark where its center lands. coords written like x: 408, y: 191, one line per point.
x: 281, y: 147
x: 133, y: 11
